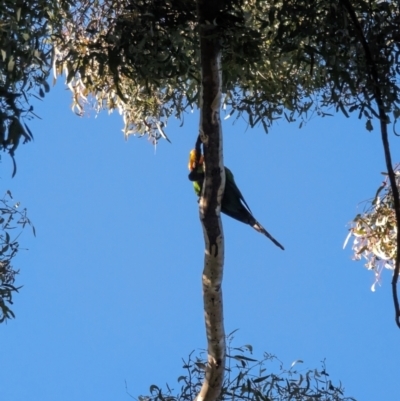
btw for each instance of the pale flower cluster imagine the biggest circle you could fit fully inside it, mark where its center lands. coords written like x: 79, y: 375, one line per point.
x: 374, y: 232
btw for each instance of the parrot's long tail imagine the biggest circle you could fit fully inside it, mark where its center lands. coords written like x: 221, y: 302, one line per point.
x: 258, y: 227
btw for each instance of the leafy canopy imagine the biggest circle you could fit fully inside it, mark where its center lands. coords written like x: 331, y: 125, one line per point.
x: 141, y: 57
x: 279, y: 58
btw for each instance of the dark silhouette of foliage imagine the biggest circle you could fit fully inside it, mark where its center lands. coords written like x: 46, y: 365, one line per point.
x: 11, y: 219
x: 251, y: 379
x: 26, y: 60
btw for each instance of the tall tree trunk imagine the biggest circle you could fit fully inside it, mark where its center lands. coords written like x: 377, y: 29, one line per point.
x: 210, y: 201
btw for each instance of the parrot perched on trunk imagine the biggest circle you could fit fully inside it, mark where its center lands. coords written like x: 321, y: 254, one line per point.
x: 233, y: 203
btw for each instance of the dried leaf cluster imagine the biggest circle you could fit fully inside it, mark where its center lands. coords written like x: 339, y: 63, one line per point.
x: 374, y: 232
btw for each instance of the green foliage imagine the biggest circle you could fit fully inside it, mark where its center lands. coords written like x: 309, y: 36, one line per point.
x: 137, y: 57
x: 142, y: 58
x: 250, y: 379
x: 25, y: 63
x: 374, y: 231
x: 279, y: 58
x: 323, y: 39
x: 11, y: 218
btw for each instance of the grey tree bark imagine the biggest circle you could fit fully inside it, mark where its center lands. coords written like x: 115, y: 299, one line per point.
x: 210, y: 201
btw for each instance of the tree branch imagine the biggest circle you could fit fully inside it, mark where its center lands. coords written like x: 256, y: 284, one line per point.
x: 374, y: 77
x: 210, y: 201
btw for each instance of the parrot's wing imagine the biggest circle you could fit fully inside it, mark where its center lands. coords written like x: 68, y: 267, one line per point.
x: 233, y: 188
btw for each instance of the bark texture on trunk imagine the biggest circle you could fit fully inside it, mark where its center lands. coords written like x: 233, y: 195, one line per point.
x: 210, y: 201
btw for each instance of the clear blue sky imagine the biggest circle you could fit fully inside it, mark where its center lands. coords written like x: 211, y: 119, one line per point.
x: 112, y: 282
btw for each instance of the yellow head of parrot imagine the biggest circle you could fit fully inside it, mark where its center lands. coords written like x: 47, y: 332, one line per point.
x: 192, y: 160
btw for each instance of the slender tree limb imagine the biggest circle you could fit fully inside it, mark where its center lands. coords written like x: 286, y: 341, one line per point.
x: 374, y: 77
x: 210, y: 200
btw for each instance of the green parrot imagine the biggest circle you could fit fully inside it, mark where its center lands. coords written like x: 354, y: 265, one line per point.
x: 233, y: 203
